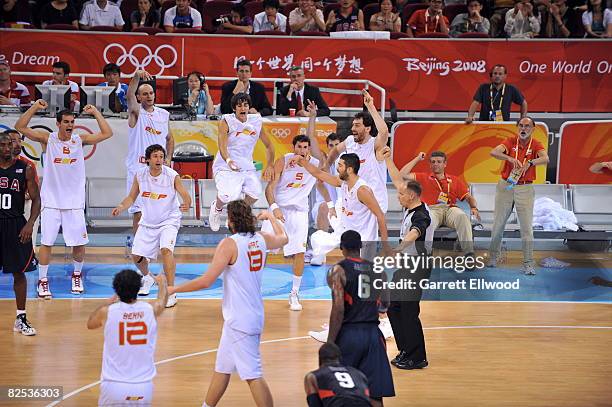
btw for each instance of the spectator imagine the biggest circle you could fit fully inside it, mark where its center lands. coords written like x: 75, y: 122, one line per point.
x: 60, y: 73
x: 470, y: 22
x: 498, y: 18
x: 270, y: 19
x: 259, y: 100
x: 597, y: 21
x: 10, y: 13
x: 496, y: 98
x: 147, y: 15
x: 349, y: 18
x: 11, y: 92
x: 199, y: 96
x: 523, y: 21
x: 182, y: 16
x: 297, y: 94
x: 238, y: 20
x: 386, y: 19
x: 59, y: 12
x: 112, y: 74
x: 429, y: 20
x: 306, y: 17
x: 101, y: 12
x: 559, y: 20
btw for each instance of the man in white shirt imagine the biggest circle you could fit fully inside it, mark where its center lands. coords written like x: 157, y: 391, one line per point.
x: 60, y: 72
x: 270, y: 19
x: 101, y: 12
x: 182, y: 16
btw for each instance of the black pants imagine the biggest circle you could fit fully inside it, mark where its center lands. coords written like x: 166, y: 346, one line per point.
x: 404, y: 317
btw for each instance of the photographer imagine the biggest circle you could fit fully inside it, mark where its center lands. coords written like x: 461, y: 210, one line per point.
x: 199, y: 96
x: 237, y: 20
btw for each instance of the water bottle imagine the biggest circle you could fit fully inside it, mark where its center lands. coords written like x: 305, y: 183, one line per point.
x: 128, y: 247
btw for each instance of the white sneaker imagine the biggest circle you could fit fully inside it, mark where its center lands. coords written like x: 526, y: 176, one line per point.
x: 43, y: 289
x: 529, y: 270
x: 294, y: 302
x: 385, y: 327
x: 147, y: 283
x: 77, y: 284
x: 171, y: 301
x: 23, y: 325
x: 320, y: 336
x: 317, y: 260
x: 214, y: 217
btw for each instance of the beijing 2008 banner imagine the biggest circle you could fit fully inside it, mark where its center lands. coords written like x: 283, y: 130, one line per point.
x: 582, y: 144
x: 467, y: 147
x: 554, y: 76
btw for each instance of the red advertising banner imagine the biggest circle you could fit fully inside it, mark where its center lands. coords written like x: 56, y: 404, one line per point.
x: 417, y: 74
x: 467, y: 147
x: 581, y: 145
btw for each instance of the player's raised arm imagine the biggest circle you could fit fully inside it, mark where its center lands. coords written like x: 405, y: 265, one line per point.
x: 21, y: 125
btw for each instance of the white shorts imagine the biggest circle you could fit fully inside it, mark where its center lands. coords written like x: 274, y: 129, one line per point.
x: 125, y: 394
x: 72, y: 221
x: 130, y: 180
x: 296, y: 227
x: 149, y: 241
x: 231, y: 185
x: 239, y: 352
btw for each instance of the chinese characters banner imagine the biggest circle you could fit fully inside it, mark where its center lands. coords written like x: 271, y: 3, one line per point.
x: 583, y: 144
x: 466, y: 146
x: 417, y: 74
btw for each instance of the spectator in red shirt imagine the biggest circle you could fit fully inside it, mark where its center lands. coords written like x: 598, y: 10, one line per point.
x: 520, y: 155
x: 428, y: 20
x: 11, y: 92
x: 441, y: 191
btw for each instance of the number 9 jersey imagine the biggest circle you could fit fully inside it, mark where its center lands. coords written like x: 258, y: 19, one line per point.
x: 342, y: 386
x: 130, y: 334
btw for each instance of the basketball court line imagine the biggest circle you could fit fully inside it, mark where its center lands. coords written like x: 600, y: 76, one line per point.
x: 437, y: 328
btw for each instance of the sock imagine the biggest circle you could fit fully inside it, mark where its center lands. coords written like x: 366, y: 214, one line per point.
x: 217, y: 205
x: 20, y: 311
x: 78, y: 266
x: 42, y: 271
x: 297, y: 280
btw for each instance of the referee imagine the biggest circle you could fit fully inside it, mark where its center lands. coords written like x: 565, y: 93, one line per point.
x: 416, y: 234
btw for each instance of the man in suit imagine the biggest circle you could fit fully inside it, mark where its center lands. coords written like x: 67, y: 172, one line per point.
x: 297, y: 94
x: 259, y: 100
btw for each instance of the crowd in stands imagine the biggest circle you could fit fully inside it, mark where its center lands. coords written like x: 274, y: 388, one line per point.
x: 403, y: 18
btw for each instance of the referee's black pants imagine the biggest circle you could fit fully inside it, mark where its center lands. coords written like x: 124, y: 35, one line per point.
x: 404, y: 313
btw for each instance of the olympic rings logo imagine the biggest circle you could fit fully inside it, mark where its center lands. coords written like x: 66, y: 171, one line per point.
x: 281, y: 133
x: 149, y: 56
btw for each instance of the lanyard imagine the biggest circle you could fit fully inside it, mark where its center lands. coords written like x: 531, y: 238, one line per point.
x: 448, y: 184
x: 526, y: 153
x: 427, y: 18
x: 501, y: 100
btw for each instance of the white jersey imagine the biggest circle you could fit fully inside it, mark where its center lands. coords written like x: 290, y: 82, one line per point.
x: 374, y: 172
x: 63, y: 184
x: 242, y: 301
x: 151, y: 128
x: 241, y: 140
x: 130, y: 334
x: 294, y: 185
x: 158, y: 198
x: 355, y: 215
x: 333, y: 192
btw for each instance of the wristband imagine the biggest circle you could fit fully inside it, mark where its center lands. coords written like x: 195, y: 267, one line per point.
x: 273, y: 206
x: 330, y: 205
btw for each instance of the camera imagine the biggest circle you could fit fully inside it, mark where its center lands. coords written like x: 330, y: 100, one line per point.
x: 225, y: 18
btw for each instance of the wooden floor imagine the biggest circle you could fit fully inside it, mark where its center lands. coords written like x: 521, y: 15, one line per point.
x: 489, y: 364
x: 480, y: 353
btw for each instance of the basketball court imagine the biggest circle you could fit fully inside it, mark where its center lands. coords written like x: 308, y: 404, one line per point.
x: 547, y: 346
